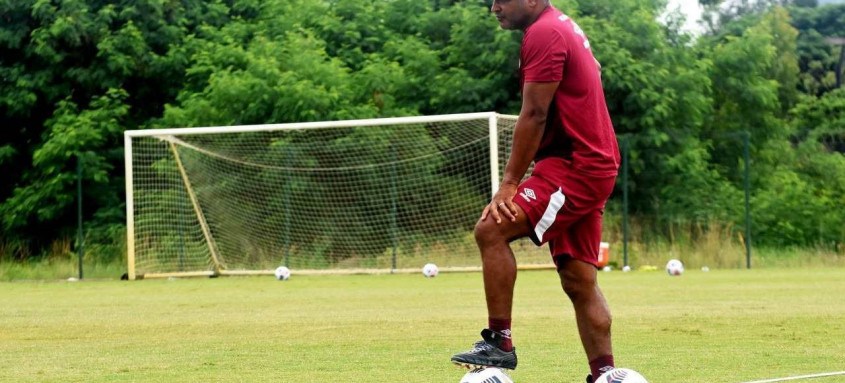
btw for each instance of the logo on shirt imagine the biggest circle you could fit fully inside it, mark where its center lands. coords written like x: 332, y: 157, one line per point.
x: 528, y: 195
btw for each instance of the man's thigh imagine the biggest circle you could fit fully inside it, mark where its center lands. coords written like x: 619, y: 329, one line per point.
x: 581, y: 240
x: 507, y: 229
x: 568, y: 216
x: 548, y: 208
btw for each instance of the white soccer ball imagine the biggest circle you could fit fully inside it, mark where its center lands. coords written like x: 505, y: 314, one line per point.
x: 486, y: 375
x: 626, y: 268
x: 282, y: 273
x: 674, y: 267
x: 621, y: 375
x: 430, y: 270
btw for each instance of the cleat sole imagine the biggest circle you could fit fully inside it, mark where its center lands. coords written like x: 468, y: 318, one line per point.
x: 473, y: 367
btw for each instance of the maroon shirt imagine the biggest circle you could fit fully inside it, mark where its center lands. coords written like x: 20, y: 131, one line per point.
x: 578, y: 127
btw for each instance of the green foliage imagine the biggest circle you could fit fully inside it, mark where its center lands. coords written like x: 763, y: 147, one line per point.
x: 75, y: 74
x: 818, y: 58
x: 822, y: 119
x: 785, y: 193
x: 72, y: 136
x: 820, y: 163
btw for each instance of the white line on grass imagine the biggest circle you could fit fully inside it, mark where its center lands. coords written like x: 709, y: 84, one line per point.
x: 799, y: 377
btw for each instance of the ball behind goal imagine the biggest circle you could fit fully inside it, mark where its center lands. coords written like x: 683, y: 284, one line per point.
x: 430, y: 270
x: 282, y: 273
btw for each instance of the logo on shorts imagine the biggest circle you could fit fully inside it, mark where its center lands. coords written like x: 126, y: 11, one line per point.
x: 528, y: 194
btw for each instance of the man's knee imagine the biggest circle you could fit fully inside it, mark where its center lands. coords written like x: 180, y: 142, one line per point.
x: 576, y: 289
x: 487, y: 233
x: 577, y: 281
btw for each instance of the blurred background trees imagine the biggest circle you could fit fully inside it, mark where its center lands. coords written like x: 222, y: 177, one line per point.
x: 74, y: 74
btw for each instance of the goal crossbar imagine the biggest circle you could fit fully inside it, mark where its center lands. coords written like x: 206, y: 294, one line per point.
x: 316, y: 125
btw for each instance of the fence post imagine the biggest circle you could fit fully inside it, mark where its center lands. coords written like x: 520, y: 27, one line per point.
x: 80, y: 244
x: 746, y: 154
x: 286, y: 216
x: 625, y: 158
x: 394, y: 208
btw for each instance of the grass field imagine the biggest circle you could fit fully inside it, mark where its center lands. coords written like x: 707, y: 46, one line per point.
x: 722, y: 326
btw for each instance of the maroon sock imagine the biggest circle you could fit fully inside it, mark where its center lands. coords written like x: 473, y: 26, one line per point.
x: 502, y: 326
x: 601, y: 365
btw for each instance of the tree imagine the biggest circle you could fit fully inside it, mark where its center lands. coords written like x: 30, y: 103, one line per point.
x: 818, y: 58
x: 75, y: 75
x: 822, y: 120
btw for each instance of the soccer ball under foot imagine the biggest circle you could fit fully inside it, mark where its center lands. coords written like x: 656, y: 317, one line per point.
x: 486, y: 375
x: 621, y: 375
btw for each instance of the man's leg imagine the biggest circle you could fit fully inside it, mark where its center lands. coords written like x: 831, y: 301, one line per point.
x: 578, y: 276
x: 498, y: 262
x: 499, y: 271
x: 592, y: 313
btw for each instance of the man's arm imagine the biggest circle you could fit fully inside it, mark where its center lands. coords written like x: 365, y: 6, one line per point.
x: 536, y: 100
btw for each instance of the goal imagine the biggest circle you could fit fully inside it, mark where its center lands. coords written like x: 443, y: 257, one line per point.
x: 377, y: 195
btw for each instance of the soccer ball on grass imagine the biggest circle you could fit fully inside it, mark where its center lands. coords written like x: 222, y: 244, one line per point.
x: 674, y: 267
x: 282, y: 273
x: 430, y: 270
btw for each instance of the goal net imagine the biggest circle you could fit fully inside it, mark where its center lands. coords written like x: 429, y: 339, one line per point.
x: 359, y: 195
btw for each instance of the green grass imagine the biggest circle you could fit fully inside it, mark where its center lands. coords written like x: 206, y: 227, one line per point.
x: 721, y: 326
x: 53, y: 268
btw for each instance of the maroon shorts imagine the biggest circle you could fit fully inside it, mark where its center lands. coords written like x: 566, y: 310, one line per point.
x: 564, y: 209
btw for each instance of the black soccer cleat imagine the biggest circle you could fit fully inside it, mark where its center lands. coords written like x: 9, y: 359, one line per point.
x: 486, y: 353
x: 589, y: 379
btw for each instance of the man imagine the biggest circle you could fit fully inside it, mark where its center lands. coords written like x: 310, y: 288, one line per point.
x: 565, y: 129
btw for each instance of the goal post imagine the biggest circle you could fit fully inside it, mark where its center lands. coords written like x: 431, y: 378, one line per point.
x: 374, y: 195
